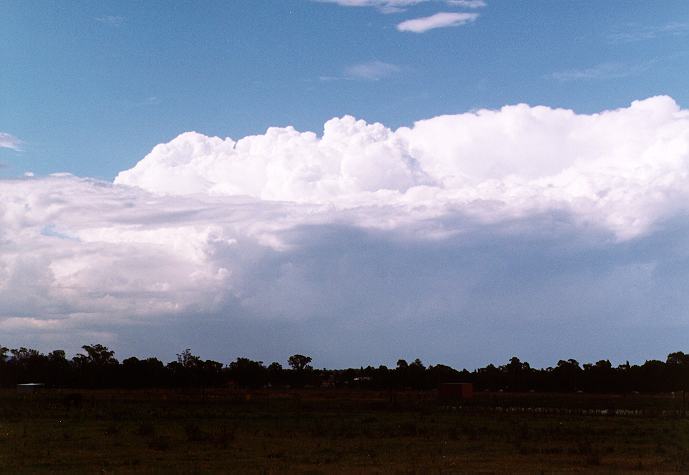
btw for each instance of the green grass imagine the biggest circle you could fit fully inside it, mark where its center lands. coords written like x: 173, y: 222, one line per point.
x: 329, y: 431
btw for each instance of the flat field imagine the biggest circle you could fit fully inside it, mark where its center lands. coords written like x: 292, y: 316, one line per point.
x: 338, y: 431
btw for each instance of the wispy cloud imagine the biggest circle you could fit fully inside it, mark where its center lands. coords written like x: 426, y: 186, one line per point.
x: 10, y: 141
x: 439, y: 20
x: 467, y: 3
x: 386, y: 6
x: 631, y: 33
x: 602, y: 71
x: 111, y: 20
x: 371, y: 71
x: 394, y: 6
x: 149, y: 101
x: 368, y: 71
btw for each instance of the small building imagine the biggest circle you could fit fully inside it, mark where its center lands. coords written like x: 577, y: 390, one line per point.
x: 29, y: 388
x: 455, y: 391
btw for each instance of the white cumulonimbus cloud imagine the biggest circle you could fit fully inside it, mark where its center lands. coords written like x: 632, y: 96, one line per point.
x: 621, y: 170
x: 364, y: 243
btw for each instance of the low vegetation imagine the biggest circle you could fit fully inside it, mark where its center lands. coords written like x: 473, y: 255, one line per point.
x: 98, y: 414
x: 336, y: 431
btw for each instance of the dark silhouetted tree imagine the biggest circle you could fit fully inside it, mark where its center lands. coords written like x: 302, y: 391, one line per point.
x: 188, y: 360
x: 248, y: 373
x: 299, y: 362
x: 98, y: 367
x: 96, y: 355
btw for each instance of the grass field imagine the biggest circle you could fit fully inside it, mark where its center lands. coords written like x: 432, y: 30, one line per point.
x: 337, y: 431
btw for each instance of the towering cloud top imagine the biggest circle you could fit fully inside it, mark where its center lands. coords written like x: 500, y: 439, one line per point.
x: 622, y: 169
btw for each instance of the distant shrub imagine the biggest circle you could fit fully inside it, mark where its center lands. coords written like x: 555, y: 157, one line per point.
x: 195, y: 433
x: 146, y: 429
x: 160, y: 443
x: 112, y: 429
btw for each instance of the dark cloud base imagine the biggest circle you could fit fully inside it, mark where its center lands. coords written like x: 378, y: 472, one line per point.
x: 352, y: 297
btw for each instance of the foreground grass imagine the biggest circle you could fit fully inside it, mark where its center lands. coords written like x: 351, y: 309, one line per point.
x: 325, y: 431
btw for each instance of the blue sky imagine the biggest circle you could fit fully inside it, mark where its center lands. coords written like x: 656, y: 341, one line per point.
x: 91, y: 87
x: 481, y: 179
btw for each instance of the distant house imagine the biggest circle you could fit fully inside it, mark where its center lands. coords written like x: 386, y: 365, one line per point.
x: 448, y: 392
x: 29, y: 388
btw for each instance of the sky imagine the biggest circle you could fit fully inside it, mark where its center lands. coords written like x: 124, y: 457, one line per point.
x: 357, y: 180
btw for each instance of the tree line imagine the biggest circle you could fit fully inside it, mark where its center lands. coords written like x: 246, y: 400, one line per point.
x: 97, y: 367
